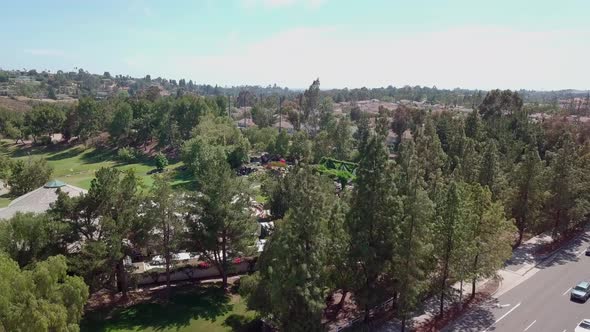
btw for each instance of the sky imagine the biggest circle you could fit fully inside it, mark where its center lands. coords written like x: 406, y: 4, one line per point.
x: 476, y: 44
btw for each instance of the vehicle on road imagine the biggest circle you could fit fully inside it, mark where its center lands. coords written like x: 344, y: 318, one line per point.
x: 588, y: 251
x: 584, y: 326
x: 581, y: 291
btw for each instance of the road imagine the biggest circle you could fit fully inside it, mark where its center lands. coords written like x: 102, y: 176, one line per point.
x: 542, y: 302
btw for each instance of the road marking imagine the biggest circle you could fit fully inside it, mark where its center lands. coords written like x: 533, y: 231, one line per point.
x: 498, y: 305
x: 581, y: 253
x: 566, y: 291
x: 528, y: 327
x: 499, y: 319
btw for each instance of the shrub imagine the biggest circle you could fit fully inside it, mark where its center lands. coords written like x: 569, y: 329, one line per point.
x: 161, y: 161
x: 126, y: 155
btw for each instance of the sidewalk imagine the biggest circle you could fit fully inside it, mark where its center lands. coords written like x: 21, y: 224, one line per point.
x: 520, y: 267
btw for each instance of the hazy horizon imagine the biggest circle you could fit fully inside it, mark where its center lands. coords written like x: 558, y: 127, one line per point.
x: 530, y: 45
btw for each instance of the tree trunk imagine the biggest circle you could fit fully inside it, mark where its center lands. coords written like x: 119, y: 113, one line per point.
x: 474, y: 278
x: 343, y: 299
x: 403, y: 324
x: 224, y: 264
x: 168, y: 275
x: 519, y: 241
x: 121, y: 280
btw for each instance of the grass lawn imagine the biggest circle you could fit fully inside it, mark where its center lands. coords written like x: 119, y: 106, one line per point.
x: 76, y: 165
x: 195, y: 309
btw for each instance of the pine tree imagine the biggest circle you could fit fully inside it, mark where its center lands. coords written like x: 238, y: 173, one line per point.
x: 429, y: 149
x: 490, y: 234
x: 164, y: 210
x: 450, y: 236
x: 372, y: 221
x: 221, y: 224
x: 567, y: 206
x: 469, y: 167
x: 528, y: 194
x: 297, y: 278
x: 491, y: 174
x: 415, y: 229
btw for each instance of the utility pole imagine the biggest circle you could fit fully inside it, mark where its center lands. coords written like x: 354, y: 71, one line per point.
x: 281, y: 98
x: 229, y: 105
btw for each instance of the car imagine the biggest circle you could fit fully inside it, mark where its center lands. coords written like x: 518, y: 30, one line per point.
x: 588, y: 251
x: 581, y: 291
x: 584, y: 326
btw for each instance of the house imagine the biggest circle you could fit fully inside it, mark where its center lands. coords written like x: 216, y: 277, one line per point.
x: 39, y: 200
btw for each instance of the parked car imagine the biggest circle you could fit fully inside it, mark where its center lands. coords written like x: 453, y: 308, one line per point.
x: 584, y: 326
x: 581, y: 291
x: 588, y: 251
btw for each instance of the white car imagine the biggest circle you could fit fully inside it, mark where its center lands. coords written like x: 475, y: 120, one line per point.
x: 584, y: 326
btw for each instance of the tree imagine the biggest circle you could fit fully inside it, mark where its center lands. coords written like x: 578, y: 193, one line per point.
x: 221, y: 224
x: 27, y: 175
x: 310, y: 103
x: 107, y: 221
x: 429, y: 149
x: 337, y: 251
x: 281, y: 147
x: 473, y: 126
x: 45, y: 120
x: 296, y: 277
x: 415, y: 247
x: 470, y: 163
x: 28, y: 238
x: 301, y: 146
x: 326, y: 114
x: 567, y: 204
x: 120, y: 126
x: 491, y: 174
x: 262, y: 117
x: 497, y: 103
x: 528, y: 193
x: 451, y: 231
x: 86, y: 120
x: 217, y: 132
x: 490, y: 235
x: 342, y: 141
x: 164, y: 210
x: 372, y: 221
x: 43, y: 298
x: 161, y: 161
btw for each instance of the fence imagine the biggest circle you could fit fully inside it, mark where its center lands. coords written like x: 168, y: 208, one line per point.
x: 187, y: 273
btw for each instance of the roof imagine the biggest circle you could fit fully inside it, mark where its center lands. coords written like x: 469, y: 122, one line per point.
x: 584, y: 284
x: 39, y: 200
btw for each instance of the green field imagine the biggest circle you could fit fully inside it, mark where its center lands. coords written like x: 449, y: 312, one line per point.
x: 76, y: 165
x: 196, y: 309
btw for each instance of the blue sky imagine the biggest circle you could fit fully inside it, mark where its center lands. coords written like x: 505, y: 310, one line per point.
x: 448, y: 43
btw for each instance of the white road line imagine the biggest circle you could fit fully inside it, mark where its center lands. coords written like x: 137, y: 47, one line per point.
x: 566, y: 291
x: 528, y: 327
x: 563, y: 330
x: 499, y: 319
x: 581, y: 253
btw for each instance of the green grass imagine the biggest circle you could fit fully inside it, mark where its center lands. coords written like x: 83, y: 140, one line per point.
x: 76, y: 165
x: 197, y: 309
x: 4, y: 201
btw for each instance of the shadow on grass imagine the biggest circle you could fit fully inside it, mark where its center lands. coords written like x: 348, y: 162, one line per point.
x: 241, y: 323
x: 183, y: 178
x: 69, y: 153
x: 207, y: 303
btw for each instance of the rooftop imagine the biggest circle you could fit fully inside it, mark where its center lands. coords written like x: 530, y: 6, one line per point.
x: 39, y: 200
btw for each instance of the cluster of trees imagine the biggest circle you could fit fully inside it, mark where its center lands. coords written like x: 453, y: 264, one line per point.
x: 443, y: 205
x: 24, y: 175
x: 460, y: 194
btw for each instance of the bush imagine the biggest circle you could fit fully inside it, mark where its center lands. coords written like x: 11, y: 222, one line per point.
x: 126, y: 155
x: 28, y: 175
x: 161, y: 161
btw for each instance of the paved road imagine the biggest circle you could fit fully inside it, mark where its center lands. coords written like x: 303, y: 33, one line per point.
x: 540, y: 303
